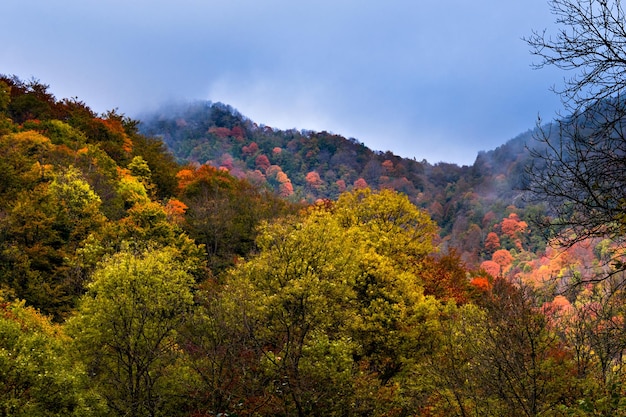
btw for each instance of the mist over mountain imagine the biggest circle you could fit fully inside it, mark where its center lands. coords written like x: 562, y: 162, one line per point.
x: 302, y: 165
x: 217, y: 134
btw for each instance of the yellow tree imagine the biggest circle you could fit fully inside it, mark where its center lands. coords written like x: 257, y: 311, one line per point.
x: 294, y: 299
x: 331, y: 308
x: 393, y: 317
x: 126, y: 326
x: 389, y: 223
x: 37, y: 375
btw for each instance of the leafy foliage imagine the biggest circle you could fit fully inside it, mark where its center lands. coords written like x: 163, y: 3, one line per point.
x: 37, y: 376
x: 284, y: 273
x: 306, y: 165
x: 125, y: 328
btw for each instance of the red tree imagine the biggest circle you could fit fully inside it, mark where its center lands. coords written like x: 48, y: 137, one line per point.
x: 313, y: 180
x: 360, y: 184
x: 503, y: 258
x: 492, y: 242
x: 250, y: 149
x: 491, y: 267
x: 262, y: 162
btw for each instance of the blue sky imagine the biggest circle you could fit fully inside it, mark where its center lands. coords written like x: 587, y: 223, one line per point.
x: 432, y: 79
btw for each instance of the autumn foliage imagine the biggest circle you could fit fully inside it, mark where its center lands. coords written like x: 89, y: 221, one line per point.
x: 278, y: 273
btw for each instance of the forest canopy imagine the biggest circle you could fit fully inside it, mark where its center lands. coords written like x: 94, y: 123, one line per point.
x: 198, y: 264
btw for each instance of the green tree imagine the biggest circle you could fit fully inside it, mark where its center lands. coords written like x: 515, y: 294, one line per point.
x: 29, y: 100
x: 329, y: 308
x: 5, y: 96
x: 393, y: 314
x: 447, y: 380
x: 162, y: 165
x: 61, y: 133
x: 139, y: 169
x: 37, y: 375
x: 389, y: 222
x: 77, y: 206
x: 502, y: 358
x: 42, y: 231
x: 224, y: 212
x: 295, y: 298
x: 23, y: 163
x: 126, y: 326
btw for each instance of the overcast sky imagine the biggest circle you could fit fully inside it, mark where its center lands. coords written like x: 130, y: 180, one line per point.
x: 432, y: 79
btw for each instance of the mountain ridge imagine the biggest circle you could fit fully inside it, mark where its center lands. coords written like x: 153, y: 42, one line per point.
x: 302, y: 165
x: 202, y: 132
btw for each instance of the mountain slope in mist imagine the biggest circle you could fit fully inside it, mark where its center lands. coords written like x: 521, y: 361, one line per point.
x: 306, y: 165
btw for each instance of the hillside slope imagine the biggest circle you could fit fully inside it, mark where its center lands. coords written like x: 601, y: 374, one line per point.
x: 307, y: 165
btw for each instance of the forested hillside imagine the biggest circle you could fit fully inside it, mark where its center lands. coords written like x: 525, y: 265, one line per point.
x: 295, y: 274
x: 468, y: 203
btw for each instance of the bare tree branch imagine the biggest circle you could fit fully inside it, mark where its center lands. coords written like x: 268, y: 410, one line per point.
x: 579, y: 162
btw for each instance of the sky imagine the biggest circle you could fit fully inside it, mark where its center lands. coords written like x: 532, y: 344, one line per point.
x: 438, y: 80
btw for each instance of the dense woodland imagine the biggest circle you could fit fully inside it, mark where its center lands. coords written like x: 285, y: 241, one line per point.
x: 198, y: 264
x: 303, y: 166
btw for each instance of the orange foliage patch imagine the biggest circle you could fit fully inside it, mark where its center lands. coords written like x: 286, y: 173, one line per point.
x: 285, y: 189
x: 491, y: 267
x: 313, y: 179
x: 503, y: 258
x: 512, y: 225
x: 238, y: 132
x: 175, y: 210
x: 273, y: 171
x: 128, y: 145
x: 492, y: 242
x: 262, y: 162
x: 185, y: 177
x: 481, y: 283
x: 250, y: 149
x: 282, y: 178
x: 445, y: 278
x: 115, y: 126
x: 220, y: 132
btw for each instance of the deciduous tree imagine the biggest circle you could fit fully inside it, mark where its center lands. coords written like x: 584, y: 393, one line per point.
x: 580, y: 159
x: 295, y: 300
x: 37, y: 375
x: 126, y: 326
x: 333, y: 300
